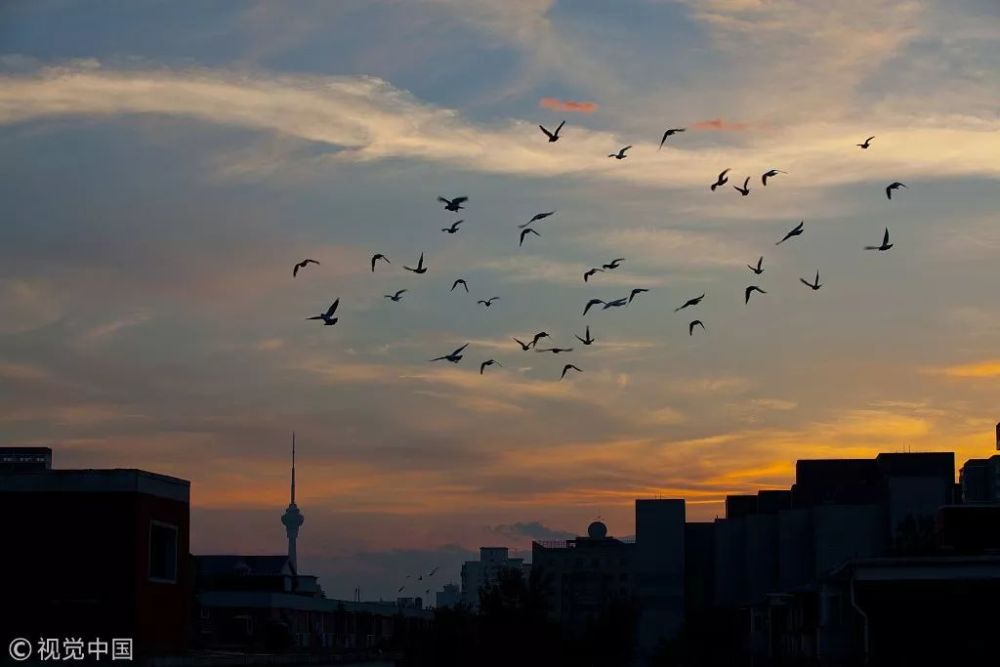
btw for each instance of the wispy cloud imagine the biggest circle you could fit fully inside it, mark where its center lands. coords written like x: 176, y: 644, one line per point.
x: 571, y: 106
x: 717, y: 124
x: 989, y: 368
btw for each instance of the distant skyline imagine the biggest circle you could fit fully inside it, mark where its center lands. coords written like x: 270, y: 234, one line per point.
x: 164, y: 165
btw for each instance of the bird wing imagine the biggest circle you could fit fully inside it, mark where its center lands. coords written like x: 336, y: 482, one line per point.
x: 547, y: 133
x: 622, y: 151
x: 521, y: 343
x: 295, y: 270
x: 459, y: 350
x: 799, y: 227
x: 805, y: 282
x: 443, y: 200
x: 482, y: 367
x: 333, y: 308
x: 459, y: 200
x: 664, y: 139
x: 723, y: 174
x: 420, y: 262
x: 885, y: 239
x: 560, y: 126
x: 888, y: 192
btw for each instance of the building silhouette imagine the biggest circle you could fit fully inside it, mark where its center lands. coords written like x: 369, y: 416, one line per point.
x: 449, y: 596
x: 485, y: 572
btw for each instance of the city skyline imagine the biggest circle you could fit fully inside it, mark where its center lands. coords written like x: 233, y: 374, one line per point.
x: 164, y: 169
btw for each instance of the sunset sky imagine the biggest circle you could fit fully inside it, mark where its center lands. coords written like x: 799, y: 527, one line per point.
x: 163, y: 165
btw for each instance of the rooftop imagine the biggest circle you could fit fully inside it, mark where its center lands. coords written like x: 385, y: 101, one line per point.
x: 111, y: 480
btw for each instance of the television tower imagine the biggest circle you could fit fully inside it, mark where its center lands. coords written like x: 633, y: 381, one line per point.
x: 292, y: 518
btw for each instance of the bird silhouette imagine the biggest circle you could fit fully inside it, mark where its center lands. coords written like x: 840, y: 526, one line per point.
x: 420, y: 266
x: 553, y: 136
x: 749, y: 290
x: 301, y: 265
x: 745, y: 190
x: 453, y: 228
x: 482, y: 367
x: 885, y: 243
x: 771, y: 173
x: 893, y: 186
x: 488, y: 302
x: 398, y: 296
x: 721, y: 180
x: 460, y: 281
x: 814, y: 284
x: 566, y: 368
x: 613, y: 264
x: 554, y: 350
x: 693, y: 324
x: 617, y: 303
x: 400, y: 589
x: 433, y: 572
x: 795, y: 231
x: 537, y: 337
x: 586, y: 340
x: 759, y: 269
x: 620, y: 155
x: 454, y: 357
x: 377, y: 256
x: 536, y: 218
x: 690, y: 302
x: 866, y: 144
x: 524, y: 346
x: 525, y: 232
x: 453, y: 205
x: 592, y: 302
x: 328, y: 319
x: 591, y: 272
x: 669, y: 133
x: 636, y: 292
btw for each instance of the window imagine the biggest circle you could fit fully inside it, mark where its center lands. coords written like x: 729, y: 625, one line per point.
x: 162, y: 552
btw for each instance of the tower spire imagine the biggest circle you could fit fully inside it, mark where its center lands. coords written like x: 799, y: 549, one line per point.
x: 293, y: 467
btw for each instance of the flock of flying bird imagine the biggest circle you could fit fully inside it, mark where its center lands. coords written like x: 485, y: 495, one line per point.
x: 455, y: 205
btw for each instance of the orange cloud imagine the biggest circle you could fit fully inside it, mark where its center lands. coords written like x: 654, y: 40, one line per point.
x: 567, y: 105
x: 981, y: 369
x: 719, y: 125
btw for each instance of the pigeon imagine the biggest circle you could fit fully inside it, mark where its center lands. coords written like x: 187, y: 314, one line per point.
x: 420, y: 266
x: 377, y: 256
x: 693, y: 324
x: 669, y: 133
x: 460, y: 281
x: 759, y: 269
x: 328, y: 319
x: 745, y: 190
x: 537, y: 337
x: 453, y: 228
x: 398, y: 296
x: 524, y: 346
x: 885, y: 243
x: 482, y: 367
x: 524, y: 233
x: 752, y: 288
x: 770, y: 174
x: 488, y: 302
x: 566, y: 368
x: 893, y: 186
x: 536, y: 218
x: 795, y: 231
x: 301, y: 265
x: 554, y: 350
x: 720, y: 181
x: 592, y: 302
x: 617, y: 303
x: 814, y: 284
x: 620, y: 155
x: 586, y: 340
x: 454, y: 357
x: 591, y: 272
x: 453, y: 205
x: 636, y: 292
x: 690, y: 302
x: 868, y: 142
x: 613, y: 264
x: 553, y: 136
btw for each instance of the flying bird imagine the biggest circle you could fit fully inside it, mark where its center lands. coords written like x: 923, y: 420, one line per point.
x: 669, y: 133
x: 770, y: 174
x: 613, y: 264
x: 301, y: 265
x: 636, y: 292
x: 752, y: 288
x: 553, y: 136
x: 693, y: 324
x: 591, y: 272
x: 488, y: 302
x: 453, y: 228
x: 524, y: 346
x: 328, y: 319
x: 721, y: 180
x: 759, y: 269
x: 377, y: 256
x: 566, y: 368
x: 454, y: 357
x: 586, y: 340
x: 554, y: 350
x: 893, y: 186
x: 433, y: 572
x: 620, y: 155
x: 398, y: 296
x: 868, y: 142
x: 538, y: 336
x: 400, y: 589
x: 690, y: 302
x: 420, y: 266
x: 460, y: 281
x: 745, y: 190
x: 814, y: 284
x: 592, y: 302
x: 453, y: 205
x: 617, y: 303
x: 795, y: 231
x: 482, y: 367
x: 536, y: 218
x: 885, y: 243
x: 525, y: 232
